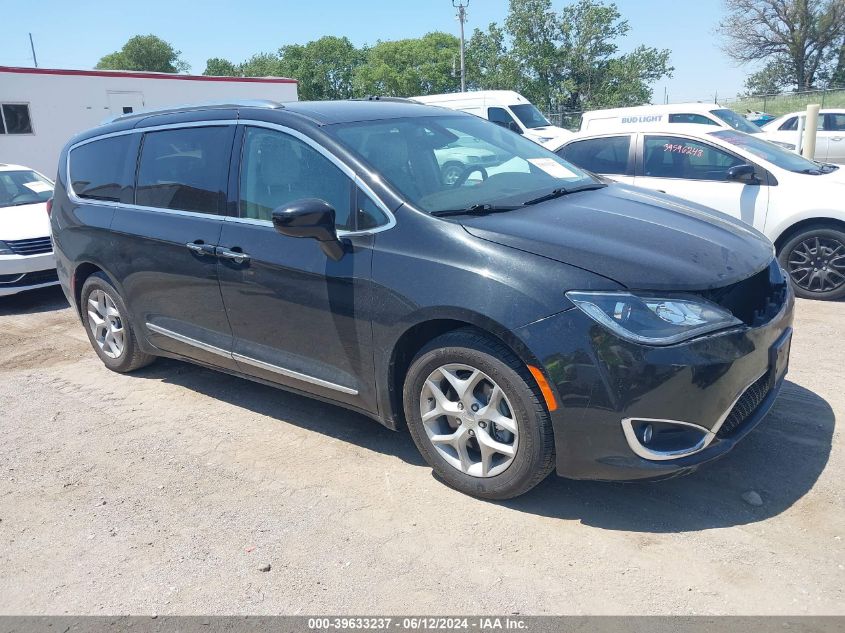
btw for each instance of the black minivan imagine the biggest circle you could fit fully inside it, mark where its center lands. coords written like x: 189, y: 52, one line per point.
x: 519, y: 315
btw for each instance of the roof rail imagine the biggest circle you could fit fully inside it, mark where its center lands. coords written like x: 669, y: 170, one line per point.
x: 207, y: 105
x: 380, y: 98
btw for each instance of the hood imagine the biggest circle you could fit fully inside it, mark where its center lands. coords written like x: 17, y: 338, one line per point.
x: 639, y: 238
x: 24, y: 222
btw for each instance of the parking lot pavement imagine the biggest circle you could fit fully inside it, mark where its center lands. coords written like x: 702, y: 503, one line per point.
x: 166, y: 491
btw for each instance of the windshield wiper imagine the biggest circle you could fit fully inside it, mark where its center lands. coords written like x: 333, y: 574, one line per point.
x: 563, y: 191
x: 476, y: 209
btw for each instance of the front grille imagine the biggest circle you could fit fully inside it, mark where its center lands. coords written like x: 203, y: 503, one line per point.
x: 745, y: 407
x: 34, y: 246
x: 755, y: 300
x: 29, y: 279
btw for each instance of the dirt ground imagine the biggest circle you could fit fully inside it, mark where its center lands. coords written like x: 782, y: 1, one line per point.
x: 166, y: 491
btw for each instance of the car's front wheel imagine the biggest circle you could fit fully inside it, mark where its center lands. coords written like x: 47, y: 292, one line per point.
x: 109, y: 329
x: 814, y: 258
x: 477, y: 417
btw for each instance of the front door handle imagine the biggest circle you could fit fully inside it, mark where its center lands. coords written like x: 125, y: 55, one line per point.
x: 200, y: 248
x: 836, y: 138
x: 238, y: 257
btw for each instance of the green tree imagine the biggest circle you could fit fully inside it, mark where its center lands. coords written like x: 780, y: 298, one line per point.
x: 219, y: 67
x: 410, y: 67
x: 261, y: 65
x: 488, y: 62
x: 804, y: 35
x: 325, y: 68
x: 145, y: 52
x: 776, y: 76
x: 568, y: 60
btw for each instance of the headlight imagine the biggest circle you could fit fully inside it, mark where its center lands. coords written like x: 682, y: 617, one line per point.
x: 4, y: 248
x: 653, y: 320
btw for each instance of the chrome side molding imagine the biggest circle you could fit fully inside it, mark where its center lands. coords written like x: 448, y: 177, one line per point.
x: 240, y: 358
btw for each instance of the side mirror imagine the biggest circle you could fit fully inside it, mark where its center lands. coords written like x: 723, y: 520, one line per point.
x: 742, y: 173
x: 514, y: 127
x: 310, y: 217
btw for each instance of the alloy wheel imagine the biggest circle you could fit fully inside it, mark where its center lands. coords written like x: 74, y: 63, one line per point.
x: 106, y: 324
x: 817, y: 264
x: 469, y: 420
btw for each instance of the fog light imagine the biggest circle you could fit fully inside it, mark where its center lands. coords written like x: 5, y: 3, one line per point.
x: 664, y: 439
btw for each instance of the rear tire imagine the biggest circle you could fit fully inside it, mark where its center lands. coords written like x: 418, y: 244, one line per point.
x: 814, y: 259
x: 108, y: 326
x: 487, y: 443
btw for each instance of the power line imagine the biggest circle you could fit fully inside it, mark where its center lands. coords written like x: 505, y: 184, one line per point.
x: 461, y: 6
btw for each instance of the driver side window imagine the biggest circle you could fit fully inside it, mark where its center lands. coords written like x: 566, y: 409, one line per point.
x: 277, y: 169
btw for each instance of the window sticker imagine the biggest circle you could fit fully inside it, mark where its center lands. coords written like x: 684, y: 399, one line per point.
x: 552, y: 167
x: 687, y: 150
x: 37, y: 186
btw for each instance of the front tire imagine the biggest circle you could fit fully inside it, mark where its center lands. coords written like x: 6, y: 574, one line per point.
x: 476, y: 416
x: 814, y: 258
x: 107, y: 323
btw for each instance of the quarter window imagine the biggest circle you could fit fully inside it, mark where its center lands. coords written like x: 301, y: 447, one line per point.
x: 185, y: 169
x: 675, y: 157
x: 14, y: 118
x: 691, y: 118
x: 103, y: 169
x: 790, y: 125
x: 607, y: 155
x: 278, y: 169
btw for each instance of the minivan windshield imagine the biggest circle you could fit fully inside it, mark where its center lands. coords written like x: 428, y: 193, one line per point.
x: 24, y: 186
x: 736, y: 121
x: 454, y: 162
x: 530, y: 116
x: 769, y: 151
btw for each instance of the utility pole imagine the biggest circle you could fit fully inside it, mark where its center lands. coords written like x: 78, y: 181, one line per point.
x: 32, y: 47
x: 461, y: 6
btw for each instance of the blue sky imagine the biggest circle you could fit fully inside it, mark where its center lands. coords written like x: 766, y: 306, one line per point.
x: 76, y: 33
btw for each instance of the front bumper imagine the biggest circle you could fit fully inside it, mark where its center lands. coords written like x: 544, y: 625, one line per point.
x: 26, y: 272
x: 601, y: 380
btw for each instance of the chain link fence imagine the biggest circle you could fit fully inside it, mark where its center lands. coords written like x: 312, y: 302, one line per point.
x: 776, y: 104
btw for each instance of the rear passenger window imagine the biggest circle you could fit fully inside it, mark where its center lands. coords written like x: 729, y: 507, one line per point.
x: 674, y: 157
x: 185, y: 169
x: 103, y: 170
x: 277, y: 169
x: 607, y: 155
x: 835, y: 122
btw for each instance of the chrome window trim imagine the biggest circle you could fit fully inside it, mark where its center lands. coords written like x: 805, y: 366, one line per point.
x: 709, y: 434
x: 290, y: 373
x: 346, y: 169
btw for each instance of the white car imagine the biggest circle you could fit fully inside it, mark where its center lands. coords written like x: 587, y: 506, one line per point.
x: 503, y: 107
x: 830, y: 133
x: 797, y: 203
x: 26, y: 251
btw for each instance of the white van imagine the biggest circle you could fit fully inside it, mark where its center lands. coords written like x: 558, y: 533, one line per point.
x: 653, y: 116
x: 506, y: 108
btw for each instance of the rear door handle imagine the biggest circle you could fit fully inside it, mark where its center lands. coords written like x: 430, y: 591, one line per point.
x: 238, y: 257
x: 200, y: 248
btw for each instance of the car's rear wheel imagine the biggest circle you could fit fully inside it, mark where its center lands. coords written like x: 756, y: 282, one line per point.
x: 814, y: 258
x: 109, y: 329
x: 476, y: 416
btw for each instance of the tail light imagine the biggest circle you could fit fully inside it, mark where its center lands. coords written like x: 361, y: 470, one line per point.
x: 49, y: 205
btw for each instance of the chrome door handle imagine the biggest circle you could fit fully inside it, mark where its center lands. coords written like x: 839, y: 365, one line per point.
x: 236, y: 256
x: 836, y: 138
x: 200, y: 248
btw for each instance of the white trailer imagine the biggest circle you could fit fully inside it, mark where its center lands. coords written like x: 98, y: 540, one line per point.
x: 41, y: 108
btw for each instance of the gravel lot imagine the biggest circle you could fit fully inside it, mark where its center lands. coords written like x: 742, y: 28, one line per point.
x: 167, y: 491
